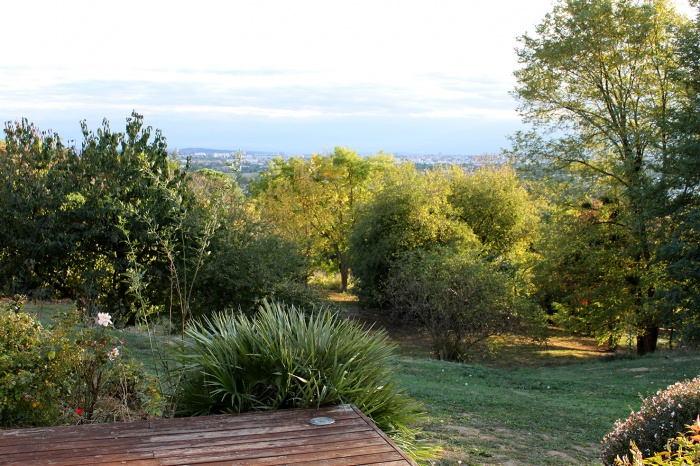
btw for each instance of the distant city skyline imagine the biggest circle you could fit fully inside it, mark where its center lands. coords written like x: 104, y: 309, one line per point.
x: 298, y: 77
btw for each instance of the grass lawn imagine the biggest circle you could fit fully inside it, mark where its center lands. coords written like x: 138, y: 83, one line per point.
x: 532, y: 416
x: 527, y: 403
x: 524, y: 404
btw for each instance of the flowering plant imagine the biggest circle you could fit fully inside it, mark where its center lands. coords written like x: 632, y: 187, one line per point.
x: 71, y: 372
x: 657, y: 422
x: 684, y: 450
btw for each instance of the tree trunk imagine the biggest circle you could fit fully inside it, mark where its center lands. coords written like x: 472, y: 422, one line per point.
x: 344, y: 266
x: 344, y: 272
x: 646, y: 340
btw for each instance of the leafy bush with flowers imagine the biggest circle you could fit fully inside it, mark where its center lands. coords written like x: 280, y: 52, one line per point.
x: 106, y: 387
x: 684, y: 450
x: 72, y: 372
x: 656, y: 425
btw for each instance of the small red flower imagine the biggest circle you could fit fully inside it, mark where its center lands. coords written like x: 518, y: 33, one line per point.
x: 78, y: 411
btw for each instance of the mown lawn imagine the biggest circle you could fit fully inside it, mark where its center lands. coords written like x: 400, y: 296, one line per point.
x: 533, y: 416
x: 528, y: 403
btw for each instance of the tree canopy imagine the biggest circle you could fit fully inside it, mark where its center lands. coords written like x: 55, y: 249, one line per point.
x: 596, y: 86
x: 313, y: 202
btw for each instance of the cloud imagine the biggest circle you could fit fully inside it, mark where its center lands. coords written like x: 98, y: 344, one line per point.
x: 266, y: 93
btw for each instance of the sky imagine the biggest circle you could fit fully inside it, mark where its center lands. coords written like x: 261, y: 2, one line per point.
x: 294, y: 76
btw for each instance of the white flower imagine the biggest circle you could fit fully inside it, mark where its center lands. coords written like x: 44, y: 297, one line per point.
x: 114, y: 354
x: 103, y: 319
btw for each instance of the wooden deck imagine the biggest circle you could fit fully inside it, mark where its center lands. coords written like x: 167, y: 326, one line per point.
x: 280, y: 437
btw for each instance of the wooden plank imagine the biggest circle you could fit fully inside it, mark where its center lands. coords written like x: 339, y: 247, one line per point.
x: 279, y: 437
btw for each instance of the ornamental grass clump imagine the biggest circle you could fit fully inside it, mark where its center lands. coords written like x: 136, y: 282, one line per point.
x: 283, y: 358
x: 660, y: 419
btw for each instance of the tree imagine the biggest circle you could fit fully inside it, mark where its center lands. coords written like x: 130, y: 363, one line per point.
x: 37, y: 195
x: 681, y: 188
x: 409, y: 210
x: 246, y: 263
x: 74, y: 222
x: 495, y: 204
x: 596, y: 86
x: 134, y: 202
x: 313, y: 202
x: 582, y: 272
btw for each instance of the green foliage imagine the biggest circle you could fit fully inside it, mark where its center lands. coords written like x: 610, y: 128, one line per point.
x: 494, y: 203
x: 684, y: 450
x: 596, y: 86
x: 681, y: 209
x: 32, y: 372
x: 66, y: 215
x: 283, y: 358
x: 659, y: 420
x: 584, y: 276
x: 36, y: 186
x: 245, y: 270
x: 410, y: 210
x: 680, y: 451
x: 312, y: 202
x: 459, y: 299
x: 68, y: 373
x: 246, y: 262
x: 135, y: 201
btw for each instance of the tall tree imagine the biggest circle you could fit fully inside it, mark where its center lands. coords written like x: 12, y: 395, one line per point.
x: 681, y: 186
x: 595, y: 84
x: 312, y: 202
x: 66, y: 215
x: 495, y: 204
x: 130, y: 190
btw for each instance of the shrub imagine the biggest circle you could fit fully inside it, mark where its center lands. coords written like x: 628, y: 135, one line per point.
x: 67, y: 373
x: 659, y: 420
x: 409, y: 211
x: 282, y: 358
x: 243, y: 270
x: 106, y: 386
x: 31, y: 374
x: 458, y: 298
x: 684, y: 450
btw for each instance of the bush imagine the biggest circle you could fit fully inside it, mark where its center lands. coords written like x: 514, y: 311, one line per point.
x: 659, y: 420
x: 31, y: 374
x: 68, y: 373
x: 459, y: 299
x: 684, y: 450
x: 409, y: 211
x: 243, y: 270
x: 282, y: 358
x: 105, y: 386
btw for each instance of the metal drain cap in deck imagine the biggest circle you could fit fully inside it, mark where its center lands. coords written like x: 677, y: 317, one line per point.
x: 321, y: 421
